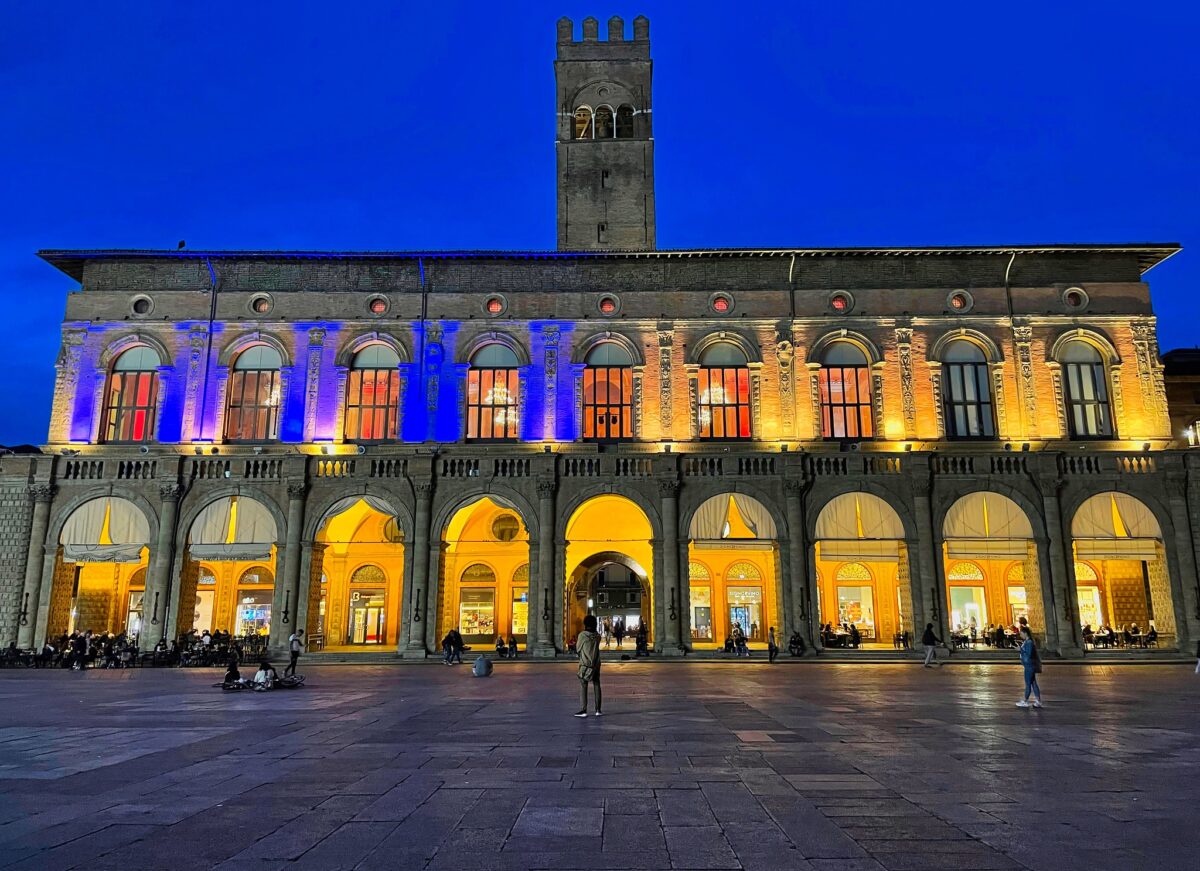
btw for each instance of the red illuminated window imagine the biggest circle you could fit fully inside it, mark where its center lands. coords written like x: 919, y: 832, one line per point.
x: 252, y: 409
x: 378, y: 305
x: 958, y: 301
x: 845, y: 382
x: 608, y: 305
x: 131, y: 400
x: 608, y: 394
x: 373, y: 395
x: 493, y: 395
x: 495, y: 305
x: 261, y: 305
x: 840, y: 302
x: 722, y: 304
x: 723, y: 383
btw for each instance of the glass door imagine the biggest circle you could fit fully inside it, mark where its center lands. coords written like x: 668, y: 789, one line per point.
x: 366, y: 617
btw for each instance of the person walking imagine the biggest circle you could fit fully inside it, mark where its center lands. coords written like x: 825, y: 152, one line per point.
x: 295, y: 647
x: 588, y: 645
x: 772, y: 646
x: 1033, y: 667
x: 456, y: 647
x: 930, y: 642
x: 619, y: 633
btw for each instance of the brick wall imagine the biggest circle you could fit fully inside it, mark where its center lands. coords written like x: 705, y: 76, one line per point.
x: 16, y: 514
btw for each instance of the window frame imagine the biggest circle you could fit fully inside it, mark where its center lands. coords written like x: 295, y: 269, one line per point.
x: 1097, y: 371
x: 479, y: 410
x: 235, y: 405
x: 116, y: 412
x: 622, y: 376
x: 983, y: 405
x: 390, y: 409
x: 863, y: 411
x: 706, y: 378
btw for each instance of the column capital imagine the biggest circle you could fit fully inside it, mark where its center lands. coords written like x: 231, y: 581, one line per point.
x: 42, y: 492
x: 423, y: 488
x: 296, y: 489
x: 546, y: 487
x: 793, y: 487
x: 668, y: 488
x: 170, y: 491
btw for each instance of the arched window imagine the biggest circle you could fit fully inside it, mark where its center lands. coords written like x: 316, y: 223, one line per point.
x: 478, y: 573
x: 625, y: 122
x: 604, y: 122
x: 132, y: 397
x: 724, y: 393
x: 743, y: 571
x: 853, y: 572
x: 368, y: 574
x: 373, y: 395
x: 492, y: 394
x: 845, y: 382
x: 252, y: 413
x: 1086, y: 382
x: 608, y: 394
x: 583, y: 123
x: 698, y: 572
x: 966, y: 392
x: 256, y: 576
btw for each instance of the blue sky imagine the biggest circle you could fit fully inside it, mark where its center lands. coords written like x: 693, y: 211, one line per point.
x: 379, y: 125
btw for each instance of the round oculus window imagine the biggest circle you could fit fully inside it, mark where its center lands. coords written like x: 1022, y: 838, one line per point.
x: 141, y: 305
x: 608, y: 305
x: 841, y: 302
x: 495, y: 305
x: 721, y: 303
x: 1075, y: 297
x: 378, y: 305
x: 505, y: 527
x: 960, y: 301
x: 260, y: 305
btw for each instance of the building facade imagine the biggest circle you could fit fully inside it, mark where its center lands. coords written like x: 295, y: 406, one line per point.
x: 379, y: 447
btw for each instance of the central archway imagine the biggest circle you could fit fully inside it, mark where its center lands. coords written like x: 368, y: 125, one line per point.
x: 609, y: 565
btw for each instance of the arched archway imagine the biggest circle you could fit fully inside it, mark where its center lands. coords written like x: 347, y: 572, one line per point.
x: 608, y: 552
x: 356, y: 575
x: 484, y: 581
x: 993, y: 578
x: 100, y: 571
x: 733, y: 571
x: 231, y: 545
x: 1120, y: 571
x: 863, y: 573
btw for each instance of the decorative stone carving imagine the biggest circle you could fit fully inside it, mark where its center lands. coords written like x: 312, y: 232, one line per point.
x: 550, y: 338
x: 42, y: 492
x: 877, y: 404
x: 756, y: 420
x: 666, y: 340
x: 546, y: 487
x: 170, y: 491
x: 638, y: 379
x: 939, y: 411
x: 693, y: 405
x: 1118, y: 397
x: 424, y: 489
x: 1023, y: 338
x: 785, y: 354
x: 792, y: 487
x: 296, y: 489
x: 193, y: 379
x: 312, y: 382
x: 1060, y: 405
x: 1150, y: 373
x: 668, y: 488
x: 65, y: 383
x: 907, y: 397
x: 814, y: 397
x: 997, y: 371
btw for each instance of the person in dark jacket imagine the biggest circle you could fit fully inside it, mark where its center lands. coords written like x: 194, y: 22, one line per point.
x: 588, y: 645
x: 1033, y: 666
x: 930, y: 642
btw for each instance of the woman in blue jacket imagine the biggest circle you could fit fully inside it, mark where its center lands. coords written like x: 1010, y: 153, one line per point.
x: 1033, y: 667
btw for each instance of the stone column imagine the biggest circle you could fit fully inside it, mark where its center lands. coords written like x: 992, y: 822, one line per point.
x: 42, y: 495
x: 283, y: 609
x: 541, y: 609
x: 671, y: 642
x: 1187, y: 618
x: 418, y: 600
x: 929, y: 593
x: 801, y: 596
x: 1062, y: 572
x: 158, y: 577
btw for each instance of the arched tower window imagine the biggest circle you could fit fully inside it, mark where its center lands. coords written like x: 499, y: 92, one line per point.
x: 1086, y: 380
x: 583, y: 123
x: 252, y: 412
x: 625, y: 122
x: 845, y: 382
x: 492, y: 394
x: 373, y: 395
x: 967, y: 394
x: 724, y: 392
x: 608, y: 394
x: 604, y: 122
x: 131, y: 400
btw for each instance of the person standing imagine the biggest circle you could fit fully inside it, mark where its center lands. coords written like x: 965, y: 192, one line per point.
x: 619, y: 633
x: 1033, y: 667
x: 588, y: 645
x: 772, y: 646
x: 930, y: 642
x: 295, y: 646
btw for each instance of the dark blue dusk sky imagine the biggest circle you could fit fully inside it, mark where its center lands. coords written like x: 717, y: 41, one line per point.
x: 387, y: 125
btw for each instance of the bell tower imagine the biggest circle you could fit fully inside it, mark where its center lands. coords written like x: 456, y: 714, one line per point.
x: 605, y: 141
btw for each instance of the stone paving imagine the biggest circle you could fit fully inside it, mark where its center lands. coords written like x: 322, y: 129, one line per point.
x: 695, y: 766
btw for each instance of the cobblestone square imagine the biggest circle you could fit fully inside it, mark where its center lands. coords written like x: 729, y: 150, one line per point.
x: 694, y: 765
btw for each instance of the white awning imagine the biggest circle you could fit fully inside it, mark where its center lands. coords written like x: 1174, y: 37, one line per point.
x: 233, y: 528
x: 861, y: 551
x: 105, y: 530
x: 1115, y: 526
x: 346, y: 503
x: 714, y: 523
x: 986, y: 526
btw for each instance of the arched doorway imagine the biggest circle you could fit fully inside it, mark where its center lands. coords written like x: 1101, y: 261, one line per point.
x: 1121, y: 567
x: 484, y: 586
x: 227, y: 583
x: 356, y: 576
x: 733, y: 571
x: 991, y: 564
x: 100, y: 571
x: 609, y: 565
x: 862, y: 572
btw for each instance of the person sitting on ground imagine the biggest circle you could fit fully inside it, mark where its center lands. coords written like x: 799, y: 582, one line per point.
x: 729, y: 642
x: 265, y: 677
x: 482, y: 667
x: 512, y: 646
x: 855, y: 636
x: 796, y: 644
x: 232, y: 675
x: 641, y: 643
x: 501, y: 647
